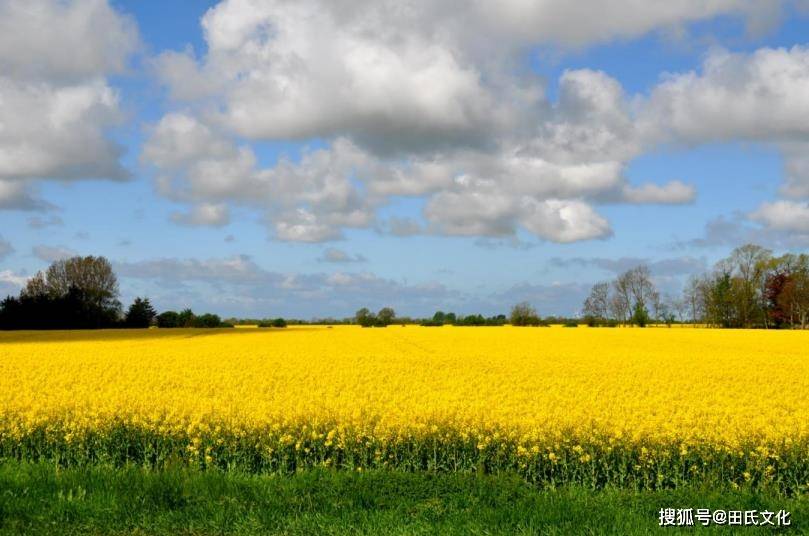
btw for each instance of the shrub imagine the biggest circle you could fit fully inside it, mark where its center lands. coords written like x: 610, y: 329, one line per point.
x: 168, y: 319
x: 640, y: 316
x: 275, y: 323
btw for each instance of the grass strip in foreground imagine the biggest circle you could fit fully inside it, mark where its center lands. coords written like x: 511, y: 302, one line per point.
x: 36, y: 498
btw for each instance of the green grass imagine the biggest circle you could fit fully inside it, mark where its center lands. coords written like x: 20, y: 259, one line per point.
x: 37, y: 498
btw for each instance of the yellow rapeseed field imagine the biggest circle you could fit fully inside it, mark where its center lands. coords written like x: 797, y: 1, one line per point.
x: 641, y: 407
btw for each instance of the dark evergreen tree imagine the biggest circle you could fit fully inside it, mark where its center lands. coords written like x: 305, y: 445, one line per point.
x: 140, y: 314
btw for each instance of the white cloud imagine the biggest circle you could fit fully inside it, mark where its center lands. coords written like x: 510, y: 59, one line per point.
x: 759, y: 96
x: 65, y: 41
x: 540, y: 182
x: 476, y: 213
x: 58, y: 131
x: 422, y: 100
x: 583, y: 23
x: 309, y: 201
x: 297, y: 70
x: 784, y: 216
x: 564, y: 221
x: 55, y: 103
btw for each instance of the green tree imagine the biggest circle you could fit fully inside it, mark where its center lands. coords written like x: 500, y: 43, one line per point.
x: 385, y: 316
x: 365, y: 318
x: 186, y: 318
x: 640, y: 316
x: 93, y: 276
x: 523, y: 314
x: 207, y: 320
x: 140, y: 314
x: 168, y: 319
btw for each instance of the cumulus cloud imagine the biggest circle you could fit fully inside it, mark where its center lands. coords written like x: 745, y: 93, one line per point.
x: 309, y: 69
x: 31, y: 48
x: 422, y: 100
x: 760, y: 97
x: 540, y: 183
x: 784, y: 216
x: 486, y: 213
x: 56, y: 106
x: 310, y: 200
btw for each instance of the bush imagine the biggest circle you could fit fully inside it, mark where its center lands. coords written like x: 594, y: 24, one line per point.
x: 275, y: 323
x: 385, y: 316
x: 187, y: 319
x: 74, y: 310
x: 168, y: 319
x: 207, y: 320
x: 367, y: 319
x: 640, y: 316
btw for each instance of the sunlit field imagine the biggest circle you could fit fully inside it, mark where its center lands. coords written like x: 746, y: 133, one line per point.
x: 638, y: 408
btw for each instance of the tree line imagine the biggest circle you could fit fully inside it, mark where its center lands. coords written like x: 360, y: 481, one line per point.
x: 83, y: 293
x: 751, y: 288
x: 522, y: 314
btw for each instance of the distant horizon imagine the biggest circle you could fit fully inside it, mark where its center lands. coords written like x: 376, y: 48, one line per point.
x: 308, y: 158
x: 374, y: 304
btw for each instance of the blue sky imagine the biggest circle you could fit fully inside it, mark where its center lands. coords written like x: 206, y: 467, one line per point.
x: 271, y: 158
